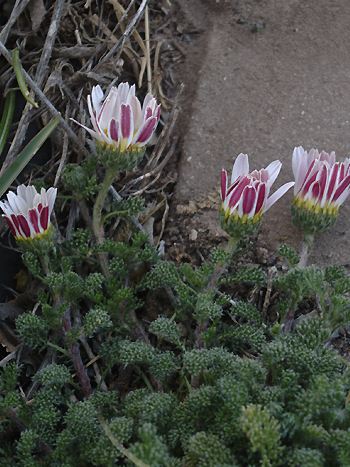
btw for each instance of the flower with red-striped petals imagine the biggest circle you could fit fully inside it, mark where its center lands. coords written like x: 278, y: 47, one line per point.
x: 119, y: 122
x: 28, y: 212
x: 247, y: 196
x: 321, y: 186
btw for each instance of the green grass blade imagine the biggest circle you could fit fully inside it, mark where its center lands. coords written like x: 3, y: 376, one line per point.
x: 17, y: 66
x: 12, y: 172
x: 6, y: 119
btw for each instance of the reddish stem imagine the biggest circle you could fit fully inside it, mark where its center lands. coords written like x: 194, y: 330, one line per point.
x: 77, y: 361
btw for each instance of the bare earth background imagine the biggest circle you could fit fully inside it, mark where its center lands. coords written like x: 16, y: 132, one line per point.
x: 263, y: 76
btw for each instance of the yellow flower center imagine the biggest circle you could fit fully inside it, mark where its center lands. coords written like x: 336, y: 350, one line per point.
x: 329, y: 208
x: 235, y: 217
x: 38, y: 236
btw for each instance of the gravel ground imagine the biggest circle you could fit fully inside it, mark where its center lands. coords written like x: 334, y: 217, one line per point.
x: 262, y: 77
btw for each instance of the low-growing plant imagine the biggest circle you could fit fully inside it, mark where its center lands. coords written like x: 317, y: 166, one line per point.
x: 152, y: 363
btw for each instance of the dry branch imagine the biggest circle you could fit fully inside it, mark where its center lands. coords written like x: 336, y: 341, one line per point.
x: 46, y: 102
x: 17, y: 10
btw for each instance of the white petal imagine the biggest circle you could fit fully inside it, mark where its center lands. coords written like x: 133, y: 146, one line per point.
x: 97, y: 98
x: 300, y: 164
x: 277, y: 195
x: 332, y: 158
x: 51, y: 198
x: 240, y: 167
x: 92, y: 132
x: 92, y: 115
x: 28, y: 193
x: 146, y: 102
x: 17, y: 204
x: 6, y: 209
x: 131, y: 93
x: 273, y: 170
x: 137, y: 113
x: 123, y: 91
x: 107, y: 110
x: 342, y: 197
x: 298, y: 154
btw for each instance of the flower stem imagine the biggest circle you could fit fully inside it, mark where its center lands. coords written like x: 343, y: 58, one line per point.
x: 219, y: 270
x: 305, y: 250
x: 221, y: 267
x: 97, y: 224
x: 306, y: 245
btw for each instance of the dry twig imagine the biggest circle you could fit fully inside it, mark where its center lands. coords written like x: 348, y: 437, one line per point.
x: 131, y: 26
x: 17, y: 10
x: 46, y: 102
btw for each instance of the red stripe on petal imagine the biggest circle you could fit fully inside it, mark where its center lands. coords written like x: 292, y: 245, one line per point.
x: 24, y: 225
x: 323, y: 180
x: 232, y: 187
x: 148, y: 113
x: 44, y: 218
x: 147, y: 130
x: 315, y: 191
x: 261, y: 197
x: 15, y: 222
x: 223, y: 184
x: 237, y: 192
x: 34, y: 219
x: 311, y: 166
x: 125, y: 120
x: 11, y: 226
x: 113, y: 129
x: 249, y: 195
x: 309, y: 183
x: 333, y: 179
x: 344, y: 184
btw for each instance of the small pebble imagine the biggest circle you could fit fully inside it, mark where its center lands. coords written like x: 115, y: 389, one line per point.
x: 193, y: 235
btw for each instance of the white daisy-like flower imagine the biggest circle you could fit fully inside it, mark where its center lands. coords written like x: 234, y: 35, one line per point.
x: 28, y: 212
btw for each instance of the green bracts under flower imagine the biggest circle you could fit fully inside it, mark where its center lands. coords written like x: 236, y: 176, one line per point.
x: 239, y: 226
x: 109, y: 157
x: 312, y: 218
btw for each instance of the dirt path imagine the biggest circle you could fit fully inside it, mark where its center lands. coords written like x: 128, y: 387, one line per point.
x: 269, y: 75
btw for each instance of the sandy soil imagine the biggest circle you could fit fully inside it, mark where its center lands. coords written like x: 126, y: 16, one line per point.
x: 262, y: 77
